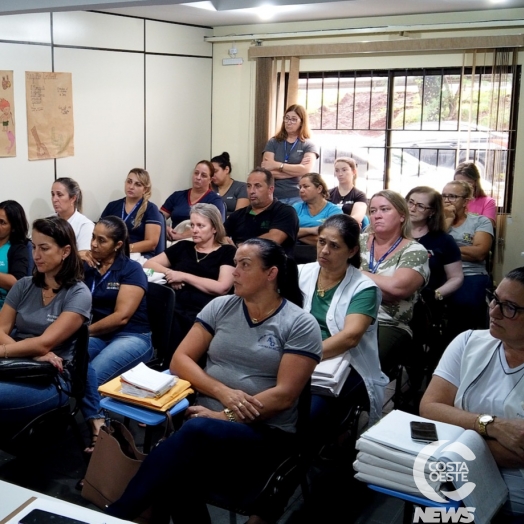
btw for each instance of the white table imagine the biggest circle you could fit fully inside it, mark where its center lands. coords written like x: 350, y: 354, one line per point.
x: 12, y: 497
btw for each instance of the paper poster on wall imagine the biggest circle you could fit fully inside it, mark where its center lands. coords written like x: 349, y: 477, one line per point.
x: 7, y: 111
x: 50, y: 126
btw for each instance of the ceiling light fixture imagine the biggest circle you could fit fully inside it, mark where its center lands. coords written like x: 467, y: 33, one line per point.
x: 208, y: 6
x: 265, y: 12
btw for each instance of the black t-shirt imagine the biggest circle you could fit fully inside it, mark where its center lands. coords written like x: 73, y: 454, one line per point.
x: 244, y: 224
x: 442, y: 250
x: 182, y: 257
x: 346, y: 202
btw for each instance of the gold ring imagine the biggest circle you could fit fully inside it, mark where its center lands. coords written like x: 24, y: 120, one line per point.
x: 240, y: 405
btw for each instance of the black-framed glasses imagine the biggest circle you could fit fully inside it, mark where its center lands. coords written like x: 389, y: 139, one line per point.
x: 507, y: 309
x: 420, y: 207
x: 451, y: 198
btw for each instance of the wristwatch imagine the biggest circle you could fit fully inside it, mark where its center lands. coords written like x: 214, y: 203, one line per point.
x: 438, y: 295
x: 482, y: 424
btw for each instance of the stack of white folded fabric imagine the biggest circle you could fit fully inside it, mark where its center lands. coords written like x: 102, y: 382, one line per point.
x: 388, y: 457
x: 329, y: 376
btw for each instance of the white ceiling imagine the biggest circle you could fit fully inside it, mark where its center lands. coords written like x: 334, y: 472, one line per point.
x: 291, y: 11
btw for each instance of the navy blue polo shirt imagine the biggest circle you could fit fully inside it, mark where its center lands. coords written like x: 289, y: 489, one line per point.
x: 105, y: 288
x: 136, y: 234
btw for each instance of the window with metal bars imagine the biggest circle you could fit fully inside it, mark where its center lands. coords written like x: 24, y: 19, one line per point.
x: 412, y: 127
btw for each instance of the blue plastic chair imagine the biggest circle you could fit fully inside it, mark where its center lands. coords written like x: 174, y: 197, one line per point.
x: 145, y: 416
x: 414, y: 500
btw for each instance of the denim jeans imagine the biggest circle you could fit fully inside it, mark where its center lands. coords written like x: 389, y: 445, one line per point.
x: 21, y: 401
x: 205, y: 455
x: 109, y: 358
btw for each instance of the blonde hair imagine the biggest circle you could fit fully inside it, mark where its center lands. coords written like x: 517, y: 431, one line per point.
x: 145, y: 180
x: 466, y: 188
x: 400, y: 204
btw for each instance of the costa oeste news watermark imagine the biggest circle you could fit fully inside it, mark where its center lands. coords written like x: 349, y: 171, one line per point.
x: 425, y: 470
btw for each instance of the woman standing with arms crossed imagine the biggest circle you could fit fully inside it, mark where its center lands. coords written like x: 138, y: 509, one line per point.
x: 290, y: 154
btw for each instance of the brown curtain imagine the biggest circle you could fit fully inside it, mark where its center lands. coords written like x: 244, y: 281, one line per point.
x: 271, y: 97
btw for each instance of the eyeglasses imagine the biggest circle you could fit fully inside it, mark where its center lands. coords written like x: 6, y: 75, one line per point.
x: 290, y: 120
x: 507, y: 309
x: 420, y: 207
x: 451, y: 198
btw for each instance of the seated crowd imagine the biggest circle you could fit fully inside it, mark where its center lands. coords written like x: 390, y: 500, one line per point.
x: 252, y: 326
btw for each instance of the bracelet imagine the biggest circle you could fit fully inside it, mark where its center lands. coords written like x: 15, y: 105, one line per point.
x: 230, y: 415
x: 131, y: 248
x: 5, y: 351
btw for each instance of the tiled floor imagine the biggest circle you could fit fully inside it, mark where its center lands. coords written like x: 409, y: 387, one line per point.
x: 335, y: 496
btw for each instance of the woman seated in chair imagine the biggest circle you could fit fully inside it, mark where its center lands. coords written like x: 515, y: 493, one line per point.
x: 351, y: 200
x: 177, y: 207
x: 314, y: 208
x: 199, y: 270
x: 142, y: 218
x: 119, y: 334
x: 66, y: 197
x: 426, y: 210
x: 232, y: 192
x: 14, y: 255
x: 261, y: 349
x: 399, y: 267
x: 345, y: 303
x: 474, y: 235
x: 40, y: 317
x: 479, y: 385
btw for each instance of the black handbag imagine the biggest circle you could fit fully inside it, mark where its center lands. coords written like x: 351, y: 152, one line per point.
x: 27, y: 370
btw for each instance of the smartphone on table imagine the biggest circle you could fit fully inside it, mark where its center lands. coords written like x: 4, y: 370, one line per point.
x: 423, y: 432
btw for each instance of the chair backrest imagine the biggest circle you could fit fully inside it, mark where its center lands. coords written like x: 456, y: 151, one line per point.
x: 161, y: 246
x: 161, y: 310
x: 31, y: 263
x: 78, y: 369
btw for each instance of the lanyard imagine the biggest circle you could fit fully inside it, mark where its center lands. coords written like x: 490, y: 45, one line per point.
x: 374, y: 267
x: 94, y: 285
x: 131, y: 212
x: 286, y: 154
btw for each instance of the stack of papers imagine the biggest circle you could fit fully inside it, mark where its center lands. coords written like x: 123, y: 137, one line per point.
x: 145, y: 382
x: 390, y: 458
x: 330, y: 375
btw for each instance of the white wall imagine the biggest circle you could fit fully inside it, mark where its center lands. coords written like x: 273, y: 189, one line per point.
x: 234, y: 88
x: 141, y: 98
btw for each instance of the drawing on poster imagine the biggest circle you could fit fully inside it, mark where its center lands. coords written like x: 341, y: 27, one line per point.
x: 7, y: 132
x: 50, y: 125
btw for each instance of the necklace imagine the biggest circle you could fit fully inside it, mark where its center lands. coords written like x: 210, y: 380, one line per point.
x: 321, y: 290
x: 47, y: 297
x: 268, y: 314
x: 203, y: 258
